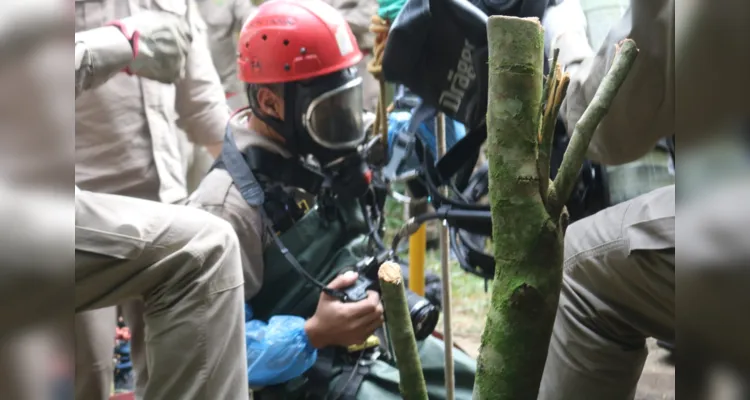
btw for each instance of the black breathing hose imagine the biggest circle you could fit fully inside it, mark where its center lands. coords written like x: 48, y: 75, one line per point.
x: 443, y: 213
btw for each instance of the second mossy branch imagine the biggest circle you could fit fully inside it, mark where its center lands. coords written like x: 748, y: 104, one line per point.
x: 528, y: 214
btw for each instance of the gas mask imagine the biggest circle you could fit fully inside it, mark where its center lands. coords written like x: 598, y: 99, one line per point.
x: 323, y: 121
x: 323, y: 116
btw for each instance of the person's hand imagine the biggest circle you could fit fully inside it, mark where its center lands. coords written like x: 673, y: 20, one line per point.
x: 160, y: 41
x: 344, y: 324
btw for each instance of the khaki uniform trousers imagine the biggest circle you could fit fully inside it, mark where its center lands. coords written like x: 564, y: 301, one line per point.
x: 95, y: 329
x: 618, y: 289
x: 184, y: 266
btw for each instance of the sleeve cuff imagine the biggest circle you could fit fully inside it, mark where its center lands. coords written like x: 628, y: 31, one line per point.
x: 108, y: 46
x: 132, y: 38
x: 306, y: 339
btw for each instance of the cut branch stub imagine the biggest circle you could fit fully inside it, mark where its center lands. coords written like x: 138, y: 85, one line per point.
x: 412, y: 383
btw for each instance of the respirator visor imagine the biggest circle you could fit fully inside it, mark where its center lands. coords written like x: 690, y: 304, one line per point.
x: 334, y: 119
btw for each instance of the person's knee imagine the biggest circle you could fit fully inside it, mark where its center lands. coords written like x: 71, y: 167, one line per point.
x: 204, y: 235
x: 218, y: 239
x: 211, y: 249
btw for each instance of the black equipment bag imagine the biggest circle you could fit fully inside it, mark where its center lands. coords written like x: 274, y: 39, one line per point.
x: 519, y: 8
x: 438, y: 49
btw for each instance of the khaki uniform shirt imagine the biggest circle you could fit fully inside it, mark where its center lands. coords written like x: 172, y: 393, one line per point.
x: 99, y: 54
x: 126, y: 140
x: 224, y: 20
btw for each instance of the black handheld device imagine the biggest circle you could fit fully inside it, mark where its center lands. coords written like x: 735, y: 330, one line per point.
x: 358, y: 291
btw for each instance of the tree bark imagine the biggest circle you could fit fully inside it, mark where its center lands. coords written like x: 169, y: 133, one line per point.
x: 411, y: 378
x: 528, y: 223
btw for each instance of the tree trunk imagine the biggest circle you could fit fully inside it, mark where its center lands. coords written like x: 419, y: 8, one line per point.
x: 528, y: 217
x: 528, y: 243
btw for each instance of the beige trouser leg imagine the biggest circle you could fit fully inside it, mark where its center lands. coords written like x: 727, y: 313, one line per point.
x: 95, y: 342
x: 185, y: 265
x: 618, y: 290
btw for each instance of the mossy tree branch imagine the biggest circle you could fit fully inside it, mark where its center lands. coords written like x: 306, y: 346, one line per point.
x: 412, y: 383
x: 586, y: 126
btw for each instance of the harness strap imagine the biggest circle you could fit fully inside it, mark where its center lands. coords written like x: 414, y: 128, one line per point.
x: 465, y: 149
x: 235, y: 164
x: 352, y: 376
x: 291, y: 173
x: 403, y: 143
x: 319, y: 376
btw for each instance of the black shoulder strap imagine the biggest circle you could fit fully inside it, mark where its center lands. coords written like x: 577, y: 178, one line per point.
x: 352, y: 376
x: 403, y: 143
x: 242, y: 176
x: 270, y: 165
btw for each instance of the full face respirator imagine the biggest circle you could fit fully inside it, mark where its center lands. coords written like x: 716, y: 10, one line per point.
x: 322, y: 116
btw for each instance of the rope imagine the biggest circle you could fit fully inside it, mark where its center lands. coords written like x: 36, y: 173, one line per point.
x: 380, y: 28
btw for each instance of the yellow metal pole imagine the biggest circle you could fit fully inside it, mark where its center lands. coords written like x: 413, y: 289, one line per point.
x: 417, y: 249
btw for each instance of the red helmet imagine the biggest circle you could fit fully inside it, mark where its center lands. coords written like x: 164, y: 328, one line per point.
x: 292, y: 40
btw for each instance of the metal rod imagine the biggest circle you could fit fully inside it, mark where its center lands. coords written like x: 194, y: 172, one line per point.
x: 450, y: 385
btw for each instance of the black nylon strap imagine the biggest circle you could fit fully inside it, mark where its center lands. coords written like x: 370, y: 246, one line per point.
x: 319, y: 376
x: 463, y: 150
x: 403, y: 143
x: 242, y: 175
x: 351, y: 379
x: 276, y: 168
